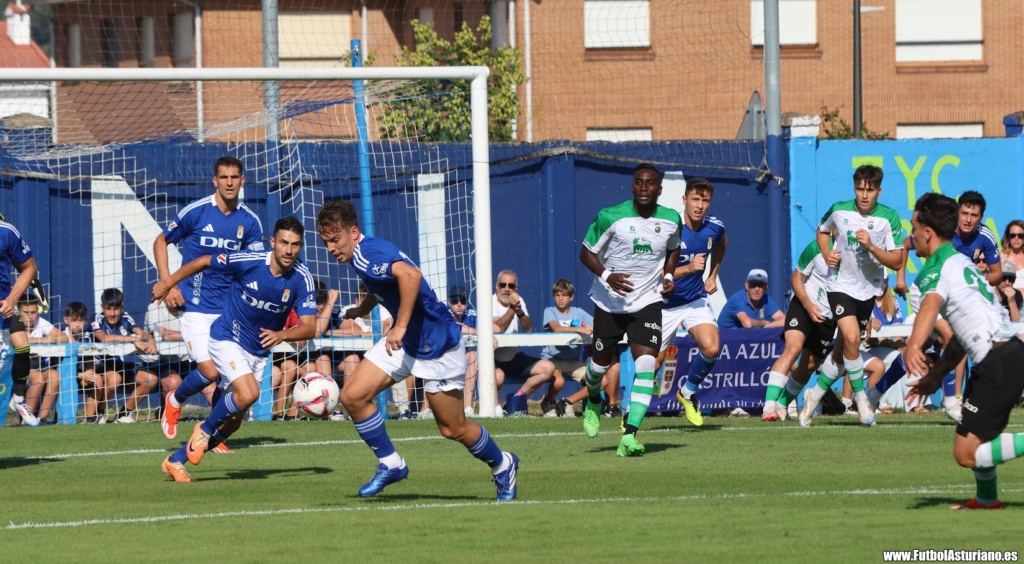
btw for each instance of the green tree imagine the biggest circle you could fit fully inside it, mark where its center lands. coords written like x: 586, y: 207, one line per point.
x: 835, y: 127
x: 439, y: 110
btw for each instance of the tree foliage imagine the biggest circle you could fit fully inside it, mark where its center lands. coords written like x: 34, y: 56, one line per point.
x: 835, y: 127
x: 439, y: 110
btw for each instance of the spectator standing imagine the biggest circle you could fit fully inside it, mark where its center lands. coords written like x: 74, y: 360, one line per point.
x: 1013, y: 249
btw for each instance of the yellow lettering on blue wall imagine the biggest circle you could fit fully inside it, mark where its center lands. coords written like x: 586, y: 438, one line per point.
x: 942, y: 162
x: 911, y: 176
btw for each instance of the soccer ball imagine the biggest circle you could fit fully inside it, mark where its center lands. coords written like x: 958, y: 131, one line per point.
x: 316, y: 395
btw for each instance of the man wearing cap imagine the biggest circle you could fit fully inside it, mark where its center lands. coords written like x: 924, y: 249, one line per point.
x: 1009, y: 296
x: 465, y: 316
x: 751, y: 307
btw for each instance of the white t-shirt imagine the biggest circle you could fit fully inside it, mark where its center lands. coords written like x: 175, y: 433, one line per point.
x: 42, y: 329
x: 859, y: 274
x: 364, y: 323
x: 505, y: 354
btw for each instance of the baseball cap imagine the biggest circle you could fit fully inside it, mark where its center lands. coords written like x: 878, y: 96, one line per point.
x: 757, y: 276
x: 457, y: 292
x: 1009, y: 270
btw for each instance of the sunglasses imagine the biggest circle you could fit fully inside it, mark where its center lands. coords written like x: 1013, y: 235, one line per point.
x: 509, y: 285
x: 1015, y: 236
x: 460, y: 301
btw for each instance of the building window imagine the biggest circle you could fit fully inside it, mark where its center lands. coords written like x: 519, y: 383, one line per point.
x: 110, y: 49
x: 798, y: 22
x: 314, y: 39
x: 616, y: 24
x: 425, y: 16
x: 460, y: 17
x: 184, y: 32
x: 620, y: 135
x: 73, y: 38
x: 940, y: 131
x: 146, y: 26
x: 938, y: 31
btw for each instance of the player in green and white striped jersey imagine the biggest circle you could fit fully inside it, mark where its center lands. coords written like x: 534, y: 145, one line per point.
x: 952, y: 285
x: 868, y: 238
x: 808, y: 333
x: 632, y: 249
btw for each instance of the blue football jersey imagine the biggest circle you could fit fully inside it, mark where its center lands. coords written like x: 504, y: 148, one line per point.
x: 981, y: 243
x: 692, y: 243
x: 432, y: 328
x: 124, y: 327
x: 257, y: 300
x: 202, y: 229
x: 13, y: 252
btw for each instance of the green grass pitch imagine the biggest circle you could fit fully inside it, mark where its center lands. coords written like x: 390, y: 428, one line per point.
x: 736, y: 490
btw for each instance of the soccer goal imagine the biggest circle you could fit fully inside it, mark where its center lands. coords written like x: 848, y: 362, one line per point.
x: 125, y: 149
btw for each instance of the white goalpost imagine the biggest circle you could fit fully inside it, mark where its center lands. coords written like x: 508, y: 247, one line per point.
x: 290, y: 175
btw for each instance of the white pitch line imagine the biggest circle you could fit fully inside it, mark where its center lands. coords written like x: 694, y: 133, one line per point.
x: 415, y: 506
x: 437, y: 437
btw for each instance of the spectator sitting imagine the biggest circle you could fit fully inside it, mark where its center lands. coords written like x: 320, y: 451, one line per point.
x: 465, y: 316
x: 1009, y: 295
x: 511, y: 316
x: 283, y: 372
x: 752, y: 306
x: 162, y: 323
x: 347, y: 360
x: 43, y: 380
x: 115, y: 326
x: 79, y: 330
x: 562, y: 318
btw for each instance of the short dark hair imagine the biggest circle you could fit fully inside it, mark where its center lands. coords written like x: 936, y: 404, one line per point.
x: 336, y: 214
x: 228, y: 161
x: 76, y: 310
x: 868, y: 173
x: 289, y: 223
x: 938, y: 212
x: 112, y: 296
x: 28, y: 298
x: 648, y: 166
x: 972, y: 198
x: 700, y: 185
x: 321, y: 296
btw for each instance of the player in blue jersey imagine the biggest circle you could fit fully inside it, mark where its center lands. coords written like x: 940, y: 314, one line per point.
x: 974, y: 239
x: 424, y: 342
x: 702, y: 246
x: 211, y: 225
x: 265, y: 286
x: 15, y: 252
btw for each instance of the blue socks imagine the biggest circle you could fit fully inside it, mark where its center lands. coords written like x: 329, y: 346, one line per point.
x: 897, y: 370
x: 191, y: 385
x: 486, y: 449
x: 949, y: 385
x: 373, y: 433
x: 699, y: 370
x: 224, y: 409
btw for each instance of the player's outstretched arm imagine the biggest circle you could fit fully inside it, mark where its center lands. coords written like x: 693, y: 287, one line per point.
x: 717, y: 256
x: 161, y: 288
x: 163, y: 270
x: 26, y: 272
x: 408, y: 278
x: 924, y: 324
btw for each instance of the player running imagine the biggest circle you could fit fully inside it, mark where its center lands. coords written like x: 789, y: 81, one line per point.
x: 954, y: 286
x: 632, y: 249
x: 264, y: 289
x: 424, y: 342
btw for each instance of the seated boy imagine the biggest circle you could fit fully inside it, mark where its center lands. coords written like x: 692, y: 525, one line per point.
x: 43, y: 380
x: 78, y: 330
x: 115, y: 326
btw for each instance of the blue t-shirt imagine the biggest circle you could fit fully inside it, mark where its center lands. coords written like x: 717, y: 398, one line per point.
x: 980, y: 243
x: 124, y: 327
x: 204, y: 230
x: 432, y: 329
x: 257, y: 300
x: 692, y: 243
x: 13, y: 252
x: 738, y: 302
x: 897, y: 316
x: 468, y: 318
x: 575, y: 318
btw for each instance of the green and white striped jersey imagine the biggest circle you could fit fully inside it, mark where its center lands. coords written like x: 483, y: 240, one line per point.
x: 859, y: 274
x: 969, y: 304
x: 815, y: 271
x: 625, y: 242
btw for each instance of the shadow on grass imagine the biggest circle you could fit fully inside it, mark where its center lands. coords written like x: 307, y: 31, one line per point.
x: 649, y: 447
x: 390, y: 498
x: 947, y: 502
x: 682, y: 429
x: 255, y: 441
x: 264, y: 473
x: 8, y: 463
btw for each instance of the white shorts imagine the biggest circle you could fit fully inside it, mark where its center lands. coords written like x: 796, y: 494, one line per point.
x: 688, y: 316
x: 885, y: 354
x: 233, y: 362
x: 195, y: 331
x: 440, y: 374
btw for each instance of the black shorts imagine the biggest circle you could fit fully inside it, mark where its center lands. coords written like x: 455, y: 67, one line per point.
x: 993, y: 389
x: 518, y: 367
x: 817, y: 336
x: 103, y: 364
x: 641, y: 327
x: 845, y: 306
x: 17, y: 324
